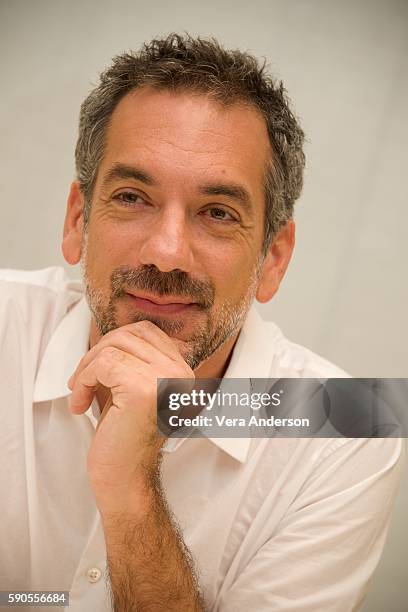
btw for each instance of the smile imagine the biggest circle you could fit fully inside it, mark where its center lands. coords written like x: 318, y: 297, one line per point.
x: 161, y: 305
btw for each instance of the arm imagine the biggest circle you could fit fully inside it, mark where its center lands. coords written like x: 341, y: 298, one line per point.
x: 328, y: 545
x: 149, y: 565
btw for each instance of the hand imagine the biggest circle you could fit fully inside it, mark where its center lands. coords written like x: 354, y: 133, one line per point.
x: 124, y: 456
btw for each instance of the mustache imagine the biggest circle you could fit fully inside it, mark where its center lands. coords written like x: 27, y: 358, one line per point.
x: 150, y: 278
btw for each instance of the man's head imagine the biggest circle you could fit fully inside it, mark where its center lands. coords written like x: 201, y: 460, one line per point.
x: 189, y: 162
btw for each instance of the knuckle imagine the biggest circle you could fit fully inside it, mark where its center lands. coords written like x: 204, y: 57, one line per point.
x: 185, y: 368
x: 108, y: 353
x: 116, y: 335
x: 179, y: 372
x: 143, y: 325
x: 182, y: 370
x: 81, y: 362
x: 121, y: 337
x: 109, y: 335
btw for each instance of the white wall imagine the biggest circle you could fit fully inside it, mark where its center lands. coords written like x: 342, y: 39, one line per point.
x: 344, y: 64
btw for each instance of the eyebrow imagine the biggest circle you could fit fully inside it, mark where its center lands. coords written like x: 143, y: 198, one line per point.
x: 234, y: 191
x: 230, y: 190
x: 122, y: 171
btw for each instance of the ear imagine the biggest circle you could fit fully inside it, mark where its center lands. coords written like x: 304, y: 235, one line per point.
x: 73, y: 226
x: 276, y: 262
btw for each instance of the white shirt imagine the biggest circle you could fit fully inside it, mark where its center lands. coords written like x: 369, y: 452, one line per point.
x: 279, y: 524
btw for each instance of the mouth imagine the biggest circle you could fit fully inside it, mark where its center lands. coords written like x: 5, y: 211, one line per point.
x: 162, y: 305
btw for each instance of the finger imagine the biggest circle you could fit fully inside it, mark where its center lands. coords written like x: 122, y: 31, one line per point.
x: 156, y: 337
x: 105, y: 409
x: 126, y: 341
x: 111, y: 368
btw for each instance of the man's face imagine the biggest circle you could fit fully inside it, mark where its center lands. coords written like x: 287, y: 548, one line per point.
x: 177, y: 218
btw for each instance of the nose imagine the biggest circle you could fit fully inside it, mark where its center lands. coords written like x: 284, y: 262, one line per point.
x: 168, y: 243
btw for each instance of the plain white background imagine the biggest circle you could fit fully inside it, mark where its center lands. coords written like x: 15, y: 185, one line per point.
x: 344, y: 65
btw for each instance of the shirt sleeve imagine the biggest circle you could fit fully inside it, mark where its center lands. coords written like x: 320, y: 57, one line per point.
x: 330, y: 541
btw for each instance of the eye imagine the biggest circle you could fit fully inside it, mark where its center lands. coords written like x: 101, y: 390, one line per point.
x: 218, y: 214
x: 129, y: 198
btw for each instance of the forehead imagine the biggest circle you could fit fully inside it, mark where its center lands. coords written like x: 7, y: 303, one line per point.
x: 188, y: 136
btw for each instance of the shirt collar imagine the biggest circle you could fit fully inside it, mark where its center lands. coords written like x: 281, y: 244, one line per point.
x: 68, y: 344
x: 251, y: 358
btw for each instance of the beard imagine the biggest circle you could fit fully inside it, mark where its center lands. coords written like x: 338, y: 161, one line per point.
x: 219, y: 325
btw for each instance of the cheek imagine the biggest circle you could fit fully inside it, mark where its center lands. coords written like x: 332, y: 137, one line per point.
x: 107, y: 250
x: 233, y: 277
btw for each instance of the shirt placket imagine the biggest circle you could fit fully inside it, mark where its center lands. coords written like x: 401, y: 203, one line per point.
x: 89, y: 590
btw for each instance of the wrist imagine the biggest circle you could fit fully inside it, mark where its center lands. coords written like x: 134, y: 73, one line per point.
x: 134, y: 499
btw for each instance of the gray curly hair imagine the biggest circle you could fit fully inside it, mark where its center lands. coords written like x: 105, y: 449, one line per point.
x: 184, y: 63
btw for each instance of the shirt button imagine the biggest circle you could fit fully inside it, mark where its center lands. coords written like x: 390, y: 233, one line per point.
x: 93, y: 574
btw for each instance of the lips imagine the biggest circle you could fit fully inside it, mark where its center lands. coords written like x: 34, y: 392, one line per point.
x: 161, y: 305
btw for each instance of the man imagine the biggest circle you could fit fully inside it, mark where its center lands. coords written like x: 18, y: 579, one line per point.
x: 189, y: 161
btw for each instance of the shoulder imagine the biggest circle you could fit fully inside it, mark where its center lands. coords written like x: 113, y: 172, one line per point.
x: 34, y: 301
x: 285, y: 359
x: 22, y: 284
x: 306, y: 363
x: 52, y: 279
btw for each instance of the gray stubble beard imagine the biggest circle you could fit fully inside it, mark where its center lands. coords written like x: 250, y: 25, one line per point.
x: 203, y: 343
